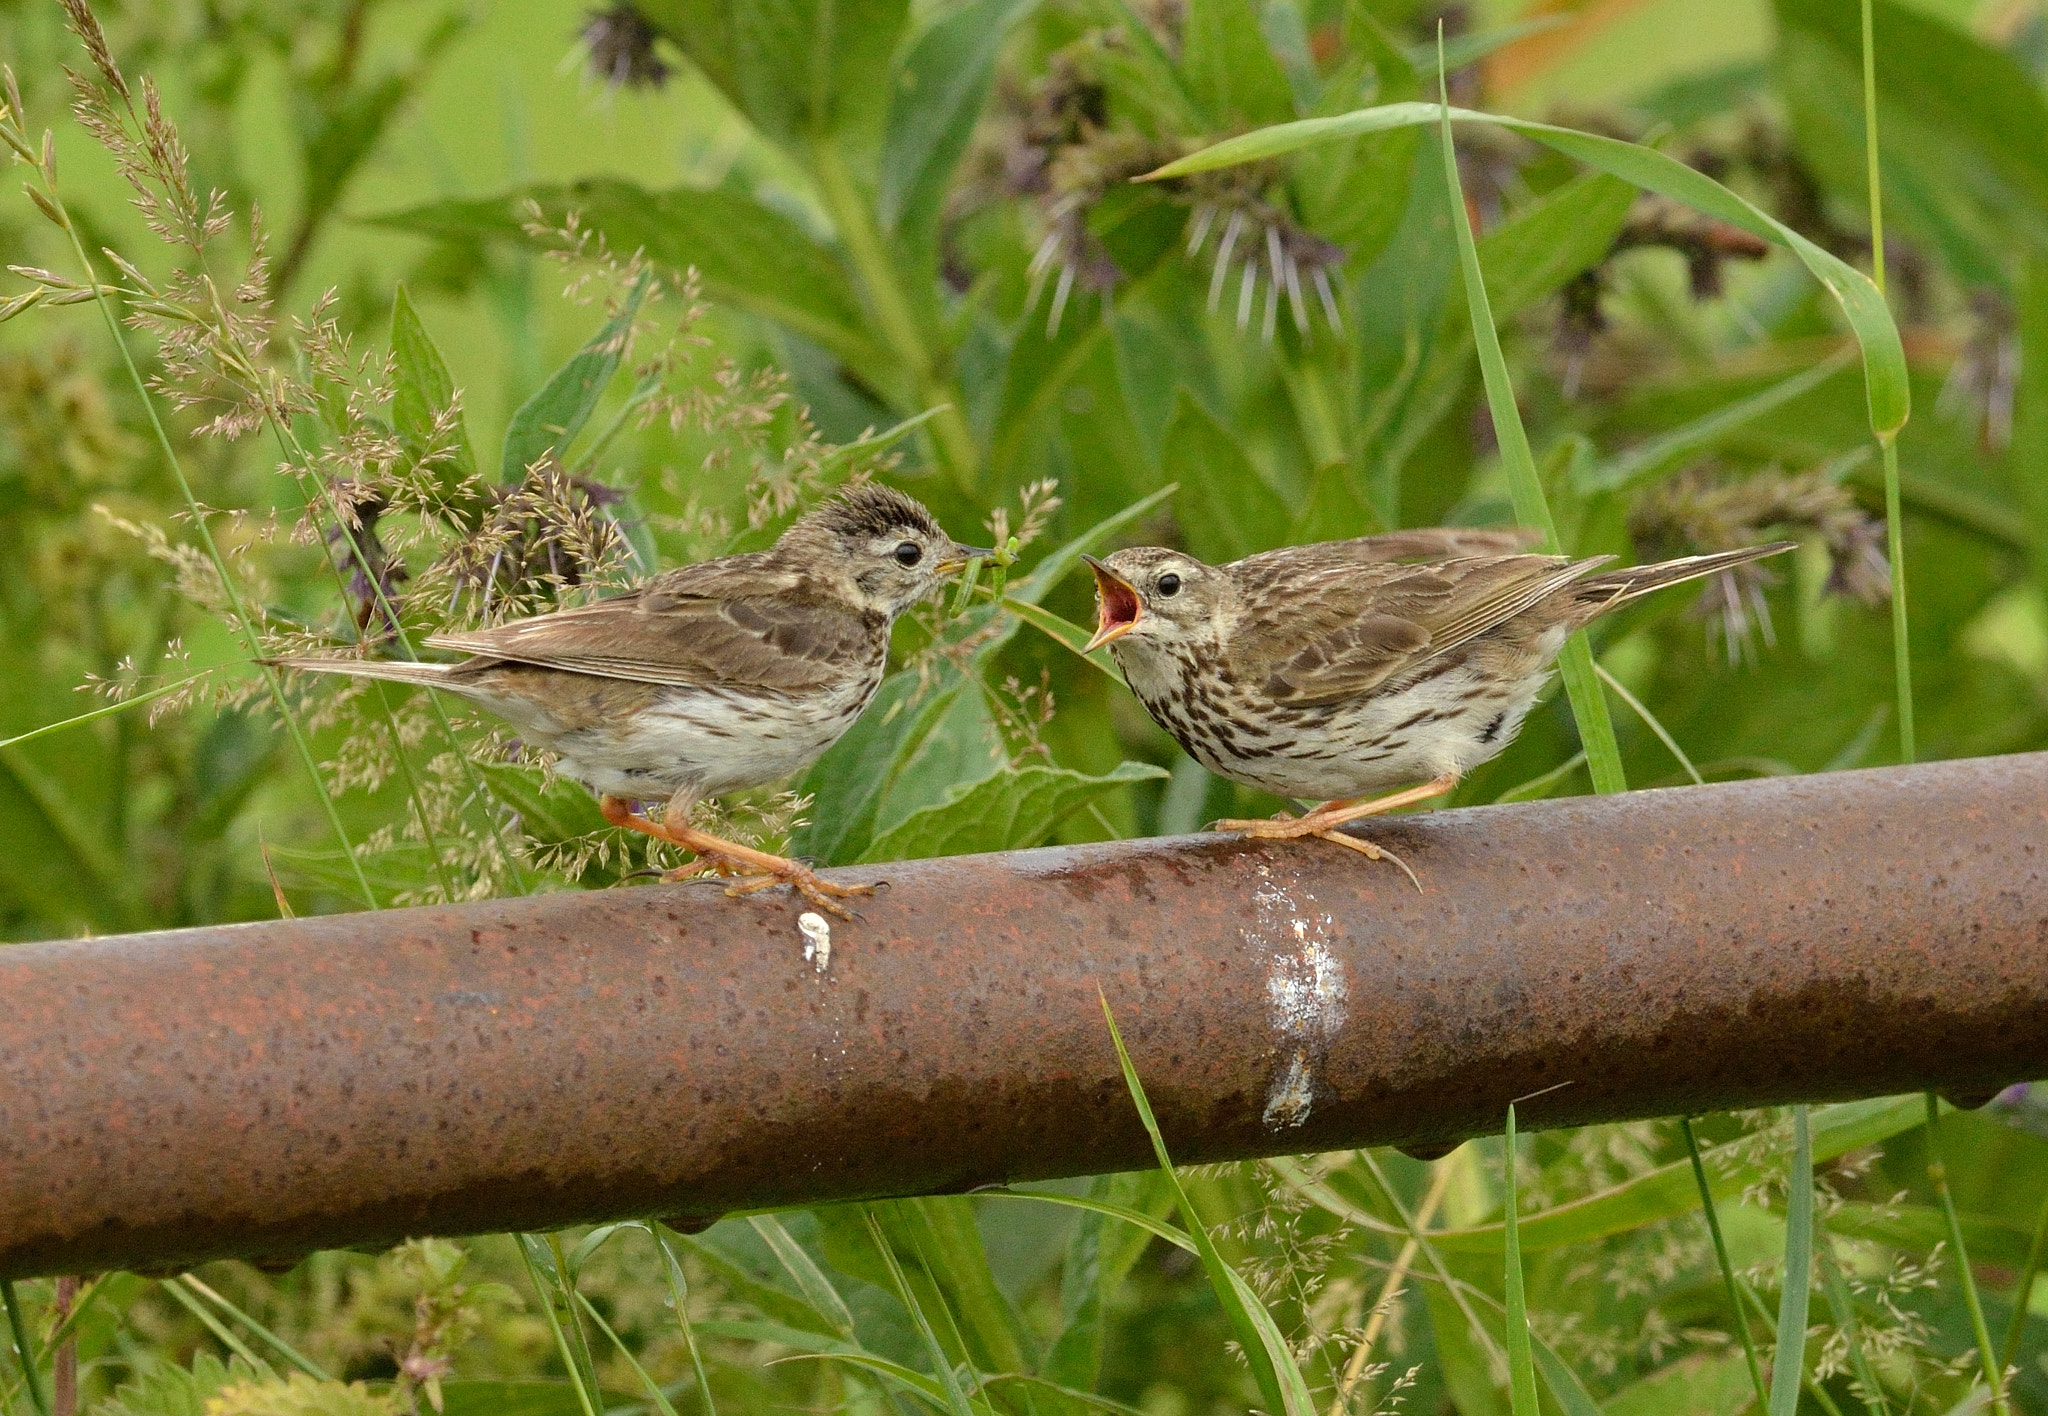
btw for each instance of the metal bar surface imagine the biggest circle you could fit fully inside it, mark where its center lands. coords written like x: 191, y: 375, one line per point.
x: 263, y: 1090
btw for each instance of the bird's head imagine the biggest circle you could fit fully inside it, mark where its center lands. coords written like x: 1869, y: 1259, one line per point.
x: 1152, y: 598
x: 876, y: 547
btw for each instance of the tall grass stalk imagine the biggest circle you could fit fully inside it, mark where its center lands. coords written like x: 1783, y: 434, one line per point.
x: 53, y: 205
x: 22, y: 1350
x: 1525, y: 484
x: 1788, y: 1363
x: 1376, y: 1320
x: 1895, y: 531
x: 542, y: 1256
x: 1521, y: 1365
x: 1842, y: 1304
x: 2023, y: 1294
x: 1728, y: 1279
x: 284, y: 1349
x: 1937, y: 1172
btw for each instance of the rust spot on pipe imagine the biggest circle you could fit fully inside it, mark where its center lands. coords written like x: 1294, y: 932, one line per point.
x: 263, y: 1090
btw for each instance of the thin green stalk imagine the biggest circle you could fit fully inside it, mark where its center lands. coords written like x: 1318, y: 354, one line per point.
x: 679, y: 1297
x: 1521, y: 1364
x: 654, y: 1392
x: 2024, y: 1294
x: 1813, y: 1388
x: 1655, y: 726
x: 1937, y: 1171
x: 554, y: 1302
x: 218, y: 1328
x: 243, y: 622
x: 1895, y: 531
x: 1712, y: 1213
x: 1788, y: 1364
x: 26, y: 1353
x: 1843, y: 1305
x: 891, y: 307
x: 290, y: 1353
x: 1525, y: 484
x: 111, y: 708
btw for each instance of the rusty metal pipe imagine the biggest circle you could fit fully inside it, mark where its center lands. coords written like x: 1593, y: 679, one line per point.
x: 263, y: 1090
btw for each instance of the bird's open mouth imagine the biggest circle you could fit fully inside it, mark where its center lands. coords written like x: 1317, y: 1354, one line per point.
x: 1116, y: 606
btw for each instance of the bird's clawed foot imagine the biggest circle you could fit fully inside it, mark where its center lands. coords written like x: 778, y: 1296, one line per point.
x: 750, y: 870
x: 1324, y: 822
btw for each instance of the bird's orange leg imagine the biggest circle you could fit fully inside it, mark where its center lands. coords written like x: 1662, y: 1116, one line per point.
x: 749, y: 869
x: 1323, y: 822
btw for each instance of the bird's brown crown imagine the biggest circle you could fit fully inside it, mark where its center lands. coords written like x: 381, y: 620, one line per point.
x: 871, y: 509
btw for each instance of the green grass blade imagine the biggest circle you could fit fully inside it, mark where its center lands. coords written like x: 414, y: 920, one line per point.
x: 22, y: 1350
x: 1272, y: 1362
x: 679, y: 1299
x: 1651, y: 721
x: 1884, y: 358
x: 284, y: 1349
x: 215, y: 1326
x: 1525, y: 484
x: 2024, y: 1292
x: 949, y: 1380
x: 1736, y: 1311
x: 1789, y: 1363
x: 1843, y: 1306
x: 803, y: 1270
x: 1937, y: 1171
x: 541, y: 1255
x: 654, y: 1392
x: 1521, y: 1367
x: 121, y: 707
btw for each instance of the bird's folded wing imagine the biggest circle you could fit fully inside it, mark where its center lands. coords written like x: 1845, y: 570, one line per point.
x: 769, y: 642
x: 1336, y: 632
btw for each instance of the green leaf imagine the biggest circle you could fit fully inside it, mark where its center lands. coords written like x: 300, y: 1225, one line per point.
x: 940, y: 89
x: 1790, y: 1362
x: 422, y: 390
x: 1525, y: 484
x: 1015, y: 808
x: 548, y: 422
x: 1884, y: 359
x: 810, y: 1280
x: 800, y: 70
x: 1228, y: 68
x: 749, y: 257
x: 947, y: 1240
x: 1705, y: 1384
x: 1265, y: 1350
x: 510, y: 1398
x: 1097, y: 1260
x: 949, y: 1380
x: 541, y: 1254
x: 1226, y: 507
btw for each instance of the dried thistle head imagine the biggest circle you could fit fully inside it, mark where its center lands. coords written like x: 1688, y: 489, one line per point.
x: 1695, y: 513
x: 619, y: 44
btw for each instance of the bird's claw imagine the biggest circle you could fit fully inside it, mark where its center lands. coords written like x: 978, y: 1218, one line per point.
x: 822, y: 894
x: 1291, y: 828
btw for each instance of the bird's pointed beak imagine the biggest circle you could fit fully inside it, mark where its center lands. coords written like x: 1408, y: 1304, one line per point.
x: 1117, y: 606
x: 958, y: 560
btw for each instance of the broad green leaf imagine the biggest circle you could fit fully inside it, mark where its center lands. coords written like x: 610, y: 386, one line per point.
x: 1267, y: 1353
x: 1097, y: 1259
x: 510, y: 1398
x: 800, y: 70
x: 1884, y: 360
x: 422, y: 391
x: 1226, y: 507
x: 548, y: 422
x: 1703, y: 1384
x: 1228, y: 68
x: 942, y: 1363
x: 939, y: 91
x: 163, y: 1388
x: 790, y: 1309
x: 1537, y: 250
x: 810, y: 1280
x: 1016, y: 808
x: 750, y: 258
x: 947, y: 1241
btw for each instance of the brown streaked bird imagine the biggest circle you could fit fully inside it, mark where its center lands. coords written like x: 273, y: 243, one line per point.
x: 711, y: 677
x: 1335, y: 671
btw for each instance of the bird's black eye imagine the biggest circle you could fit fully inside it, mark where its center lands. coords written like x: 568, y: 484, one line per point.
x: 909, y: 554
x: 1169, y: 584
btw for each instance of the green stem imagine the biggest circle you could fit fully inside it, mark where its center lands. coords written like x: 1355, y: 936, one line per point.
x: 1895, y: 530
x: 1788, y: 1363
x: 1708, y: 1208
x: 1937, y: 1171
x: 898, y: 322
x: 36, y: 1394
x: 2024, y: 1294
x: 1844, y: 1305
x: 1521, y: 1364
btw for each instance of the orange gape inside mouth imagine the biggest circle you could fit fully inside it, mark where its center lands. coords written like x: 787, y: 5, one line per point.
x: 1116, y: 607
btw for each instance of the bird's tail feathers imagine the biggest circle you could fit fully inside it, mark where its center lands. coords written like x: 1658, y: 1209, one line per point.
x: 395, y: 670
x: 1609, y: 589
